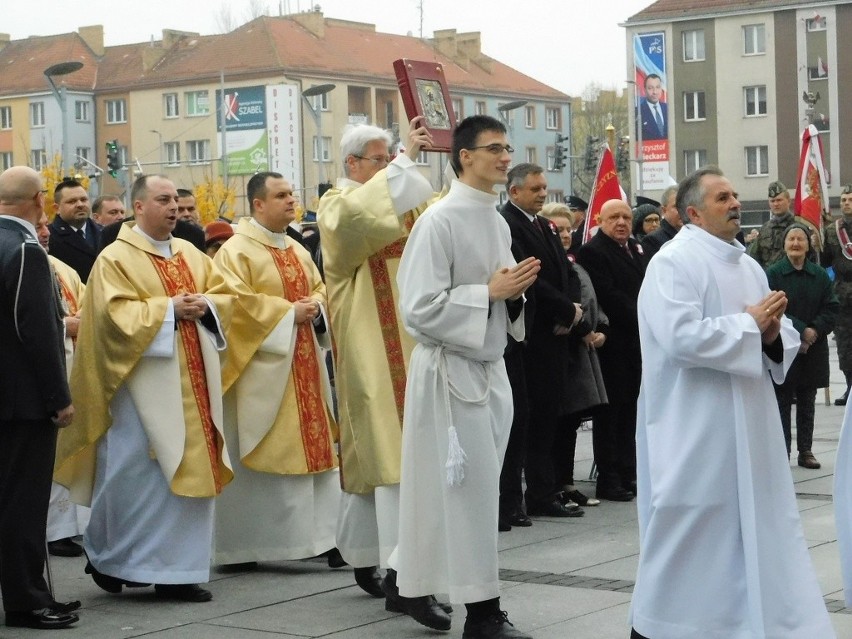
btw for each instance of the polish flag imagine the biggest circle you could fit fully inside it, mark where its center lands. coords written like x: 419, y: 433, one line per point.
x: 811, y: 199
x: 606, y: 188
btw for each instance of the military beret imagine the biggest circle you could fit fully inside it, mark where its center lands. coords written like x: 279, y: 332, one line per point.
x: 776, y: 189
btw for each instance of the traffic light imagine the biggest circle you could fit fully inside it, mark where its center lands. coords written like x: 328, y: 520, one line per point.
x: 113, y: 163
x: 559, y: 159
x: 590, y: 157
x: 622, y: 156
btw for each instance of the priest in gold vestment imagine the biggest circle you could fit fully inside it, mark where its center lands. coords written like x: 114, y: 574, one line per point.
x: 364, y: 222
x: 279, y: 422
x: 147, y: 449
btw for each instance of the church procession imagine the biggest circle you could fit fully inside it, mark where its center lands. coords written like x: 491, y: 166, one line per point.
x: 460, y: 402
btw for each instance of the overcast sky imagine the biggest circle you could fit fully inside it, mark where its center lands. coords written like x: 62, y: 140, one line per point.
x: 566, y: 44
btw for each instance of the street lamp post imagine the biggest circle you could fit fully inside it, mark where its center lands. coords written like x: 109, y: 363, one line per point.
x: 62, y: 68
x: 320, y: 89
x: 160, y: 138
x: 640, y: 153
x: 505, y: 109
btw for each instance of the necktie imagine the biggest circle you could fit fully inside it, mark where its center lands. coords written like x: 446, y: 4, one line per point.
x: 658, y: 117
x: 627, y: 250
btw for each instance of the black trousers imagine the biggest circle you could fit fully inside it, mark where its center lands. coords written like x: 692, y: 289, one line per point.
x: 511, y: 476
x: 636, y: 635
x: 805, y: 401
x: 564, y: 448
x: 614, y: 441
x: 27, y: 451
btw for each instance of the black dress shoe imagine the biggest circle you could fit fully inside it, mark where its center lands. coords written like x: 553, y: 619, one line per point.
x: 841, y: 401
x: 630, y: 487
x: 44, y: 619
x: 65, y: 608
x: 578, y: 498
x: 335, y: 559
x: 242, y: 566
x: 66, y: 547
x: 496, y: 626
x: 183, y: 592
x: 370, y: 581
x: 503, y: 524
x: 553, y: 509
x: 614, y: 494
x: 519, y: 518
x: 111, y: 584
x: 424, y: 610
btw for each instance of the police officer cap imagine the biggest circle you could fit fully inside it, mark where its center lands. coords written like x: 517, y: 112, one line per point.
x: 576, y: 203
x: 776, y: 189
x: 846, y: 190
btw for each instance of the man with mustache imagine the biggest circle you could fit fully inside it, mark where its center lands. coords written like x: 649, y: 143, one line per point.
x: 716, y: 502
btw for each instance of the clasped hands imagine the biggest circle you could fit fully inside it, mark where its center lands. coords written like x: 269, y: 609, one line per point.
x: 307, y: 310
x: 510, y: 283
x: 767, y: 314
x: 189, y: 306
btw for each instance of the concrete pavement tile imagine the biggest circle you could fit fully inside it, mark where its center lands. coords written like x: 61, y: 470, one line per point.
x: 208, y: 631
x: 575, y: 554
x: 842, y: 625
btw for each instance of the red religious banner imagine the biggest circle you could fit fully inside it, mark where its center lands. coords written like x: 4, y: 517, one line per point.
x: 606, y: 188
x: 811, y: 199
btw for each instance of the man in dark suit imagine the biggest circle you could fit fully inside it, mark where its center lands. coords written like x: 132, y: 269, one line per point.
x: 616, y: 266
x: 547, y: 353
x: 670, y: 224
x: 652, y: 111
x: 74, y: 238
x: 578, y: 207
x: 34, y: 401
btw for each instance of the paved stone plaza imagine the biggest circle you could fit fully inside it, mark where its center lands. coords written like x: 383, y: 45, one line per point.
x: 561, y: 578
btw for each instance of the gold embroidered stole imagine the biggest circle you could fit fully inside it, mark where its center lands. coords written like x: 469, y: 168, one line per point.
x: 313, y: 419
x: 386, y: 308
x: 176, y: 278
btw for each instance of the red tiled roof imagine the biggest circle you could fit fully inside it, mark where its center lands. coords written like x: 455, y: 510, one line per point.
x: 684, y: 9
x: 265, y: 46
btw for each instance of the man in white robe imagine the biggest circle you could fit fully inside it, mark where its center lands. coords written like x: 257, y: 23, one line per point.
x: 460, y: 294
x: 722, y: 553
x: 284, y: 499
x: 148, y: 450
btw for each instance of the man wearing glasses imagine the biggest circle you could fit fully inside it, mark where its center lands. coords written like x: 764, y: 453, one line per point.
x: 364, y: 222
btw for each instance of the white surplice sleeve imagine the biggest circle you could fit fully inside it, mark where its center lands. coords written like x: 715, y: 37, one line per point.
x: 432, y: 306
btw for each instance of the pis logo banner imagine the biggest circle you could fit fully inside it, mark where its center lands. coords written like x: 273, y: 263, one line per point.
x: 245, y: 108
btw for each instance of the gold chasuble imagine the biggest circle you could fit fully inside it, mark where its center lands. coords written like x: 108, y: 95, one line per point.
x: 274, y: 374
x: 362, y: 242
x: 72, y: 288
x: 178, y: 397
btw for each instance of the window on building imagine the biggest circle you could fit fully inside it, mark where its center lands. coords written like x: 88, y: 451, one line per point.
x: 198, y: 151
x: 172, y: 153
x: 422, y: 159
x: 197, y: 103
x: 818, y: 72
x: 550, y: 158
x: 457, y: 108
x: 171, y: 105
x: 693, y: 160
x: 693, y: 106
x: 552, y: 119
x: 754, y: 39
x: 81, y: 111
x: 326, y: 149
x: 37, y: 115
x: 556, y: 196
x: 755, y: 101
x: 83, y: 153
x: 320, y: 102
x: 757, y: 160
x: 479, y: 108
x: 5, y: 117
x: 529, y: 117
x: 124, y: 155
x: 693, y: 45
x: 116, y: 111
x: 816, y: 24
x: 6, y: 161
x: 38, y: 159
x: 531, y: 155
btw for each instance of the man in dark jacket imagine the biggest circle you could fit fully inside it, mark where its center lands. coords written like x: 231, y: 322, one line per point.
x: 547, y: 353
x: 34, y: 401
x: 669, y: 225
x: 616, y: 264
x: 74, y: 237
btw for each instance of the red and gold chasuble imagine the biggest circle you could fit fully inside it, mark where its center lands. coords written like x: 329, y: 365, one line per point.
x: 313, y: 421
x: 176, y: 278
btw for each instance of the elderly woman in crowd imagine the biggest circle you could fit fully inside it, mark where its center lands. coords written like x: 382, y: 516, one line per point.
x: 587, y: 392
x: 646, y: 219
x: 812, y: 305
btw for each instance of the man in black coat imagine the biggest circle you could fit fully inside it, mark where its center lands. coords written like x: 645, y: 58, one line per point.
x: 74, y: 237
x: 547, y: 352
x: 34, y: 401
x: 670, y: 224
x: 616, y: 265
x: 188, y: 231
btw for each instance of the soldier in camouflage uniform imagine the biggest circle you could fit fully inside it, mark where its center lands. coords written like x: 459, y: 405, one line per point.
x: 768, y: 248
x: 839, y: 257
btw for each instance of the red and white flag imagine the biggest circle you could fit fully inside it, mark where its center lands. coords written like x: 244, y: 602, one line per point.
x: 606, y: 188
x: 811, y: 199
